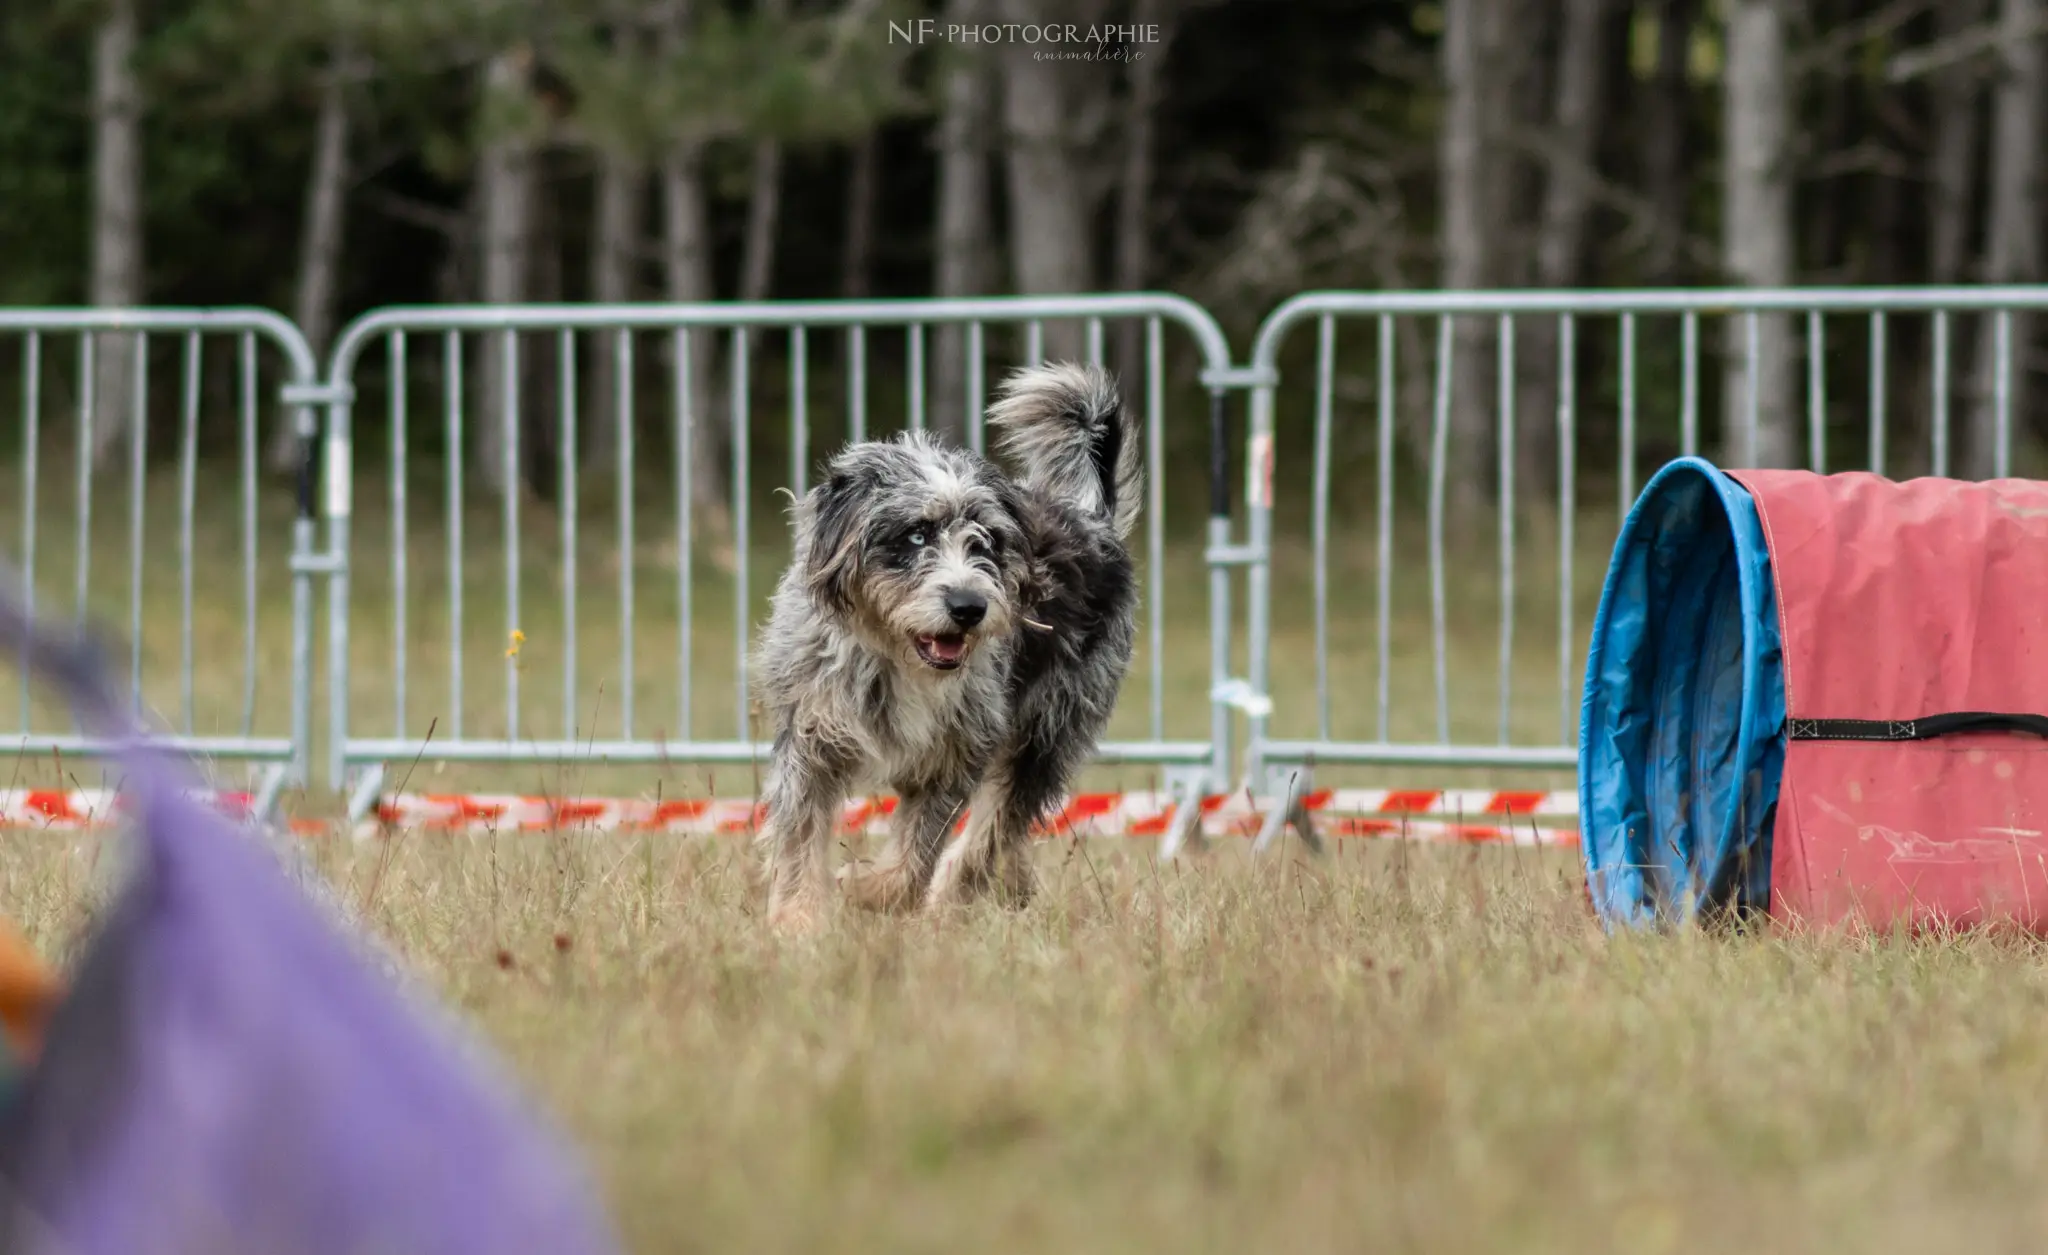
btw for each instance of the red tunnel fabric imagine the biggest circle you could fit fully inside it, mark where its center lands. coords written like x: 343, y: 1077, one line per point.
x: 1898, y: 601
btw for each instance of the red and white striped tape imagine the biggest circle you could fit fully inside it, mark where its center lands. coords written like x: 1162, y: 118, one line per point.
x: 75, y: 810
x: 1448, y: 814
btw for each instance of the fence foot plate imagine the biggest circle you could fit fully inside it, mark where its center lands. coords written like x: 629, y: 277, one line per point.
x: 1184, y: 821
x: 362, y: 799
x: 1289, y: 807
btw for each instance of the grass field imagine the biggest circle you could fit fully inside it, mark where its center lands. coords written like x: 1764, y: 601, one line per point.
x: 1395, y: 1048
x: 1392, y: 1049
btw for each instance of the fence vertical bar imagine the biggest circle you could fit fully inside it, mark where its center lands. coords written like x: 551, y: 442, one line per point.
x: 1567, y: 501
x: 976, y: 387
x: 88, y: 405
x: 799, y: 414
x: 1817, y: 392
x: 1505, y: 347
x: 247, y: 361
x: 1034, y: 343
x: 570, y: 507
x: 914, y: 370
x: 741, y: 380
x: 629, y: 492
x: 336, y: 468
x: 400, y: 527
x: 1155, y: 508
x: 2001, y: 465
x: 1439, y: 454
x: 1751, y: 386
x: 31, y: 458
x: 1259, y: 582
x: 1689, y: 383
x: 1628, y: 412
x: 1094, y: 333
x: 685, y: 425
x: 1319, y: 517
x: 451, y: 370
x: 1880, y: 365
x: 138, y: 449
x: 1383, y: 572
x: 508, y: 383
x: 1940, y: 388
x: 188, y: 493
x: 1219, y: 585
x: 856, y: 384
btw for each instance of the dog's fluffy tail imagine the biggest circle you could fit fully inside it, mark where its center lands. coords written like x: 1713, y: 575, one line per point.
x: 1068, y: 429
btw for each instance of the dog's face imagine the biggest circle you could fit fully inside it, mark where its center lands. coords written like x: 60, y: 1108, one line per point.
x: 920, y: 546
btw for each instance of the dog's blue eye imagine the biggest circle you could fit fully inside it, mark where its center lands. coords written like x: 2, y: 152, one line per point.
x: 917, y: 537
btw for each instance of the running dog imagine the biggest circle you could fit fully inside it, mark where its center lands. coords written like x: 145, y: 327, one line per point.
x: 955, y: 633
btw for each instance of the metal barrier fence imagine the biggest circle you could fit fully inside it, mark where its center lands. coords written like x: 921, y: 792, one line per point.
x: 1931, y: 380
x: 612, y: 336
x: 1759, y: 364
x: 214, y: 711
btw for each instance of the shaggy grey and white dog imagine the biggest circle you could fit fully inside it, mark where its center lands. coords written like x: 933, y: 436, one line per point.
x: 955, y: 634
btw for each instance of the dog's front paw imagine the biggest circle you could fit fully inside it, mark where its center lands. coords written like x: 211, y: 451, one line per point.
x: 883, y: 887
x: 793, y: 921
x: 797, y: 916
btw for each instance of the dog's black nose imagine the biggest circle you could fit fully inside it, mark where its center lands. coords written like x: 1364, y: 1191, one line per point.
x: 967, y: 609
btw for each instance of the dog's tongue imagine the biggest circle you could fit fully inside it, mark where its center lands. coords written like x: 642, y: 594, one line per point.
x: 946, y: 648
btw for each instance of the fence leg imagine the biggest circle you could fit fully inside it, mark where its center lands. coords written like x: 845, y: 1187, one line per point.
x: 270, y: 786
x: 1184, y: 821
x: 362, y: 799
x: 1290, y: 807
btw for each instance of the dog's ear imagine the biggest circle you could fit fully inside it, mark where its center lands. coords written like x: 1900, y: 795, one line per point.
x: 837, y: 510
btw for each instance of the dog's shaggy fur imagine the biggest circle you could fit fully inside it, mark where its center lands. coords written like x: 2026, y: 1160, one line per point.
x: 955, y: 634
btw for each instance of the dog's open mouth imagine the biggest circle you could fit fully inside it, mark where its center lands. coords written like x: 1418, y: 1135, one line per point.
x: 943, y: 652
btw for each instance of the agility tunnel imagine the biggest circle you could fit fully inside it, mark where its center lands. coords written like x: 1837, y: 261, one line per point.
x: 1824, y: 697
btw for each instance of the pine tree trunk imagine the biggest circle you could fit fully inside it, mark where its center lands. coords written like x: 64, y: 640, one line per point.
x: 1952, y: 161
x: 764, y: 204
x: 1470, y: 165
x: 764, y: 211
x: 1134, y: 191
x: 505, y: 178
x: 320, y: 240
x: 117, y: 266
x: 964, y: 262
x: 621, y: 187
x: 2012, y: 236
x: 1580, y: 83
x: 686, y: 262
x: 540, y: 357
x: 1049, y: 221
x: 1757, y: 231
x: 1951, y: 179
x: 1665, y: 147
x: 757, y: 256
x: 857, y: 259
x: 757, y: 270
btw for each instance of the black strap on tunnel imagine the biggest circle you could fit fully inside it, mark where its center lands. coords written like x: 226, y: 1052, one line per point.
x: 1924, y: 728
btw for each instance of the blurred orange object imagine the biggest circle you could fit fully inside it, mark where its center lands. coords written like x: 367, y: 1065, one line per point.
x: 29, y: 992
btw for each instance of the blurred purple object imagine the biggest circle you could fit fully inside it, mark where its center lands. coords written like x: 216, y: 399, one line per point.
x: 232, y: 1074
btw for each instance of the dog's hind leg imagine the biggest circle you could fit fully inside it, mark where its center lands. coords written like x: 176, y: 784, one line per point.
x: 924, y: 817
x: 795, y: 840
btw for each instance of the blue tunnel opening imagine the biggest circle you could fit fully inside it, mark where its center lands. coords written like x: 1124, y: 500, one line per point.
x: 1681, y: 733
